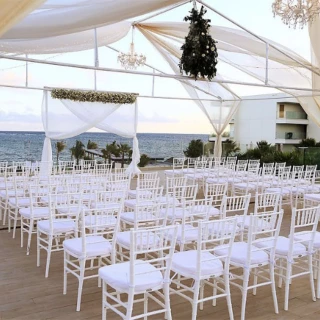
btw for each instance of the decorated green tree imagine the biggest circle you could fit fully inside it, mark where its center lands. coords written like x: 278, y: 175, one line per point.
x: 124, y: 149
x: 77, y: 151
x: 109, y: 151
x: 199, y: 57
x: 60, y: 146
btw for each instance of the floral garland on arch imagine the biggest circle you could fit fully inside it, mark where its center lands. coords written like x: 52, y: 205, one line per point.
x: 199, y: 56
x: 94, y: 96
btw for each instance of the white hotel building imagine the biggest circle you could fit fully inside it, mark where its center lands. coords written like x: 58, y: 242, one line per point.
x: 281, y: 122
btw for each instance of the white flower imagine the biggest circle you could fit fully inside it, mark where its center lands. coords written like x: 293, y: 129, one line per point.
x: 207, y: 47
x: 203, y: 55
x: 212, y: 48
x: 193, y: 54
x: 202, y: 33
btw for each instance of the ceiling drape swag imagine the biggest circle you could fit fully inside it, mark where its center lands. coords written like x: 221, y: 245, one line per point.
x: 219, y: 112
x: 63, y: 119
x: 13, y: 11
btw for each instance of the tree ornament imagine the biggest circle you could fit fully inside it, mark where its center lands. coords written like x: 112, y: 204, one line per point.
x: 193, y: 60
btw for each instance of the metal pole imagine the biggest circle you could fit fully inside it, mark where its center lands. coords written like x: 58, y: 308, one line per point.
x: 96, y: 57
x: 258, y: 37
x: 27, y: 71
x: 267, y: 64
x: 161, y: 75
x: 153, y: 83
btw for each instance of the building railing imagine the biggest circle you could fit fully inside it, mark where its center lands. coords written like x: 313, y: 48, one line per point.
x: 290, y: 135
x: 296, y: 115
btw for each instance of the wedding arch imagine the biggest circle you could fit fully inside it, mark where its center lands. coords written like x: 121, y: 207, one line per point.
x: 67, y: 113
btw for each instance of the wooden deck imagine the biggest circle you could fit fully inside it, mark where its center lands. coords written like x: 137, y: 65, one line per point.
x: 25, y: 294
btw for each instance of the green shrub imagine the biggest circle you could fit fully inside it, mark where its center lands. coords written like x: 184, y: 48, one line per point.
x: 144, y: 160
x: 194, y: 149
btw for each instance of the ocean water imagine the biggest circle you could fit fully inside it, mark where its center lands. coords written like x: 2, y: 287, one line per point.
x: 21, y: 146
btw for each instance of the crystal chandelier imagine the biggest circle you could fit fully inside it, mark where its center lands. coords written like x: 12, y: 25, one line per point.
x: 131, y: 60
x: 296, y: 12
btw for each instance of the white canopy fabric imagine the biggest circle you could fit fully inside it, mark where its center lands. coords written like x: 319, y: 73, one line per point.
x: 12, y: 11
x: 62, y: 17
x: 64, y: 119
x: 74, y: 42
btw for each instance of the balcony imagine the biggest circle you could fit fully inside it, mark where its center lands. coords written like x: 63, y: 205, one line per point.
x: 293, y: 117
x: 225, y: 136
x: 290, y: 137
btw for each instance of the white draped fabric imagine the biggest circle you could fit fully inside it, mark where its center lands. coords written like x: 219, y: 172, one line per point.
x: 59, y: 17
x: 218, y: 112
x: 64, y: 119
x: 12, y: 11
x: 68, y: 43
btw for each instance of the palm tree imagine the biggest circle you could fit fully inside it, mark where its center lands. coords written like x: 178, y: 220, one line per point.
x: 77, y: 151
x: 230, y: 147
x: 109, y: 150
x: 124, y: 149
x: 92, y: 145
x: 60, y: 146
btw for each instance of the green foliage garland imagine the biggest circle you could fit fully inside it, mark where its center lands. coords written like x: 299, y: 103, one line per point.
x: 199, y: 57
x: 94, y: 96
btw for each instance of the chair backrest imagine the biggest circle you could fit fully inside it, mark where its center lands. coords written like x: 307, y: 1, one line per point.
x: 235, y: 205
x: 184, y: 193
x: 103, y: 169
x: 157, y: 245
x: 254, y: 161
x: 120, y: 174
x: 108, y: 198
x: 153, y: 194
x: 304, y: 223
x: 148, y: 182
x: 175, y: 181
x: 211, y: 234
x: 66, y: 167
x: 231, y: 159
x: 97, y: 225
x: 241, y: 166
x: 268, y: 165
x: 178, y: 163
x: 266, y: 202
x: 263, y: 233
x: 216, y: 192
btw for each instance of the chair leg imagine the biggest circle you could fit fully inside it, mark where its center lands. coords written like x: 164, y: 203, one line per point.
x: 227, y: 290
x: 104, y: 308
x: 287, y: 285
x: 38, y: 248
x: 49, y: 249
x: 82, y: 265
x: 21, y: 233
x: 201, y: 294
x: 166, y: 291
x: 29, y: 234
x: 145, y: 306
x: 195, y: 299
x: 246, y: 274
x: 130, y: 304
x: 65, y: 273
x: 273, y: 288
x: 317, y: 263
x: 214, y: 301
x: 313, y: 293
x: 15, y: 223
x: 255, y: 281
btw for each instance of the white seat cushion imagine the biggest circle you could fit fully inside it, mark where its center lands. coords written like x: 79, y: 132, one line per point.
x: 174, y: 212
x: 131, y: 203
x: 20, y: 202
x: 282, y: 247
x: 239, y: 254
x: 123, y: 239
x: 72, y: 210
x: 147, y: 277
x: 244, y: 222
x: 59, y: 226
x: 38, y: 213
x: 132, y: 216
x: 185, y: 263
x: 104, y: 205
x: 100, y: 220
x: 190, y: 233
x: 306, y: 237
x: 96, y: 246
x: 282, y: 191
x: 201, y: 209
x: 244, y: 185
x: 133, y: 193
x: 312, y: 196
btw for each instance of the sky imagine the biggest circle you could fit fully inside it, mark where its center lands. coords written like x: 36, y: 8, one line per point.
x: 20, y: 109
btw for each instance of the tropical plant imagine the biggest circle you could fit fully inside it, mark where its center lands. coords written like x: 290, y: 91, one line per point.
x: 265, y: 147
x: 124, y: 149
x: 308, y: 142
x: 77, y: 151
x: 109, y: 151
x: 144, y: 160
x: 194, y: 149
x: 92, y: 145
x: 60, y: 146
x: 230, y: 147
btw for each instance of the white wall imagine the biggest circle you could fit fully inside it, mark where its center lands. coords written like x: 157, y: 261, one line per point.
x: 256, y: 120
